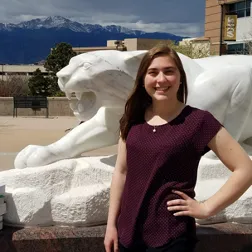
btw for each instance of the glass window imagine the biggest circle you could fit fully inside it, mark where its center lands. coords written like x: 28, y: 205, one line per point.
x: 242, y: 9
x: 237, y: 49
x: 240, y: 5
x: 240, y: 13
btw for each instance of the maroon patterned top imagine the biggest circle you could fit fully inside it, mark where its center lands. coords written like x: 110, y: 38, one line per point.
x: 159, y: 162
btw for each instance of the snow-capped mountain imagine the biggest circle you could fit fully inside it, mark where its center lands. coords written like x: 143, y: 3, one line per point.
x: 53, y: 22
x: 31, y: 41
x: 58, y: 22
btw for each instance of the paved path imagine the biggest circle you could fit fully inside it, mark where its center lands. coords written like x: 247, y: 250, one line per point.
x: 17, y: 133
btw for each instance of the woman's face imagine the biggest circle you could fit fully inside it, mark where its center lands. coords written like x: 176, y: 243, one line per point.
x: 162, y: 79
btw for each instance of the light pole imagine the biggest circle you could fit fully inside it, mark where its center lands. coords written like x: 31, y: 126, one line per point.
x: 221, y: 3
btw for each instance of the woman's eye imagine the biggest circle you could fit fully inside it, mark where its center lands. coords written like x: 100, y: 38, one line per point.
x: 168, y: 72
x: 152, y: 73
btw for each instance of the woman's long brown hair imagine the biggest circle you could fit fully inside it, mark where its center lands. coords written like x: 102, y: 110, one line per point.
x: 139, y: 100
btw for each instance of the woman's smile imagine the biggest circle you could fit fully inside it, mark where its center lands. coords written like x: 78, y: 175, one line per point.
x: 162, y: 88
x: 162, y: 79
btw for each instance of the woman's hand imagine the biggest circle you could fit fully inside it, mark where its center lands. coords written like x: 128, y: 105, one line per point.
x: 111, y: 240
x: 188, y: 207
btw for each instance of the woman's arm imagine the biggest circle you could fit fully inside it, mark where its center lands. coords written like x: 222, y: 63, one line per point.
x: 116, y: 190
x: 117, y: 185
x: 236, y: 159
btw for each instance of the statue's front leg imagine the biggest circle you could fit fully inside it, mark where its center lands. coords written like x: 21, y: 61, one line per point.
x: 100, y: 131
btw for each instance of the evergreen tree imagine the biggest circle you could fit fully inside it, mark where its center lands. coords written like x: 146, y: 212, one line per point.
x: 39, y: 84
x: 56, y: 60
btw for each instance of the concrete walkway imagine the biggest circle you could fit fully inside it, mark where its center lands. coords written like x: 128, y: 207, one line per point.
x: 17, y: 133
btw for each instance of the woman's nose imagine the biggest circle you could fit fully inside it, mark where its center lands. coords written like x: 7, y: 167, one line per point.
x: 161, y: 77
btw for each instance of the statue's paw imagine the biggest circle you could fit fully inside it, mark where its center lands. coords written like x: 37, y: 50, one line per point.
x: 33, y: 156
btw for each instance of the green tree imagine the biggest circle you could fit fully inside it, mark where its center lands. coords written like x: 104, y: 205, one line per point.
x: 57, y: 59
x: 39, y: 84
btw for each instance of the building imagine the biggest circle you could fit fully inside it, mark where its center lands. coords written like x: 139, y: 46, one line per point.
x: 80, y: 50
x: 21, y: 70
x: 228, y: 26
x: 133, y: 44
x: 130, y: 44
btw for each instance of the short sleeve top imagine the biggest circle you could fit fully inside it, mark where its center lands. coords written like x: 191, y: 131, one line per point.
x: 159, y: 162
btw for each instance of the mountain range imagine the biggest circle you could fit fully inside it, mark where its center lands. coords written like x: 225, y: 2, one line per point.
x: 29, y: 42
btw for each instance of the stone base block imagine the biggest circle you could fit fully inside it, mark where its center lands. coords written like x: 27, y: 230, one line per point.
x: 224, y: 237
x: 1, y: 199
x: 2, y: 209
x: 2, y: 189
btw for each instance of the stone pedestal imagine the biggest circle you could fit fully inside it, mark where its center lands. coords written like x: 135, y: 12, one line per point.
x: 213, y: 238
x: 224, y: 237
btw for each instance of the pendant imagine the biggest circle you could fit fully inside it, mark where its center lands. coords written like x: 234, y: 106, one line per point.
x: 154, y: 130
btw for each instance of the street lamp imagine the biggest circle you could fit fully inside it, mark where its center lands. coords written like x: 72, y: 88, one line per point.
x: 221, y: 3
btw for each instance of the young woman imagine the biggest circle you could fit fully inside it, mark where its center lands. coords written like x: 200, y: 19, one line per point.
x: 152, y: 206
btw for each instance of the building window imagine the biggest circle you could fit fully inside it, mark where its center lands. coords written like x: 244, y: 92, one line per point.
x: 241, y: 9
x: 241, y: 48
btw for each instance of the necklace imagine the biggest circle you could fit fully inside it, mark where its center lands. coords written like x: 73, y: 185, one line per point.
x: 154, y: 126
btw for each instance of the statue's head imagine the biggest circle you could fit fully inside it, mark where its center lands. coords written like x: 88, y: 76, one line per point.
x: 100, y: 78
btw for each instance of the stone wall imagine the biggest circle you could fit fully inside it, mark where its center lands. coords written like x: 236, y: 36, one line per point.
x: 58, y: 106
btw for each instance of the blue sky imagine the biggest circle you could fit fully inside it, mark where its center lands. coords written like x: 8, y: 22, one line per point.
x: 180, y: 17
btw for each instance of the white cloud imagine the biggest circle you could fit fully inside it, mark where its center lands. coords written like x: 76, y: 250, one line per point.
x: 101, y: 18
x: 179, y: 17
x: 24, y: 18
x: 190, y: 30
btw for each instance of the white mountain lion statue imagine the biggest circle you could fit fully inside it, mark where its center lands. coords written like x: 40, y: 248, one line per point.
x: 58, y: 187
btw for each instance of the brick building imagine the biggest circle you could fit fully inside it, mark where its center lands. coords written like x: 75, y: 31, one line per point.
x: 234, y: 17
